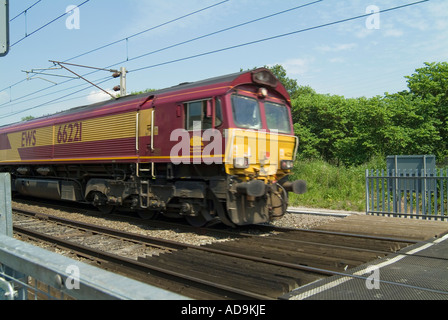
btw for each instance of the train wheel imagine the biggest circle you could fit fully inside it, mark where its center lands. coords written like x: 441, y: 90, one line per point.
x: 206, y: 217
x: 100, y: 202
x: 146, y: 215
x: 106, y: 209
x: 197, y: 221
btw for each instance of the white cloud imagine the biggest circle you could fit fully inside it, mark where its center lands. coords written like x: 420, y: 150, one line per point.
x: 338, y: 47
x: 149, y: 14
x: 362, y: 33
x: 439, y: 12
x: 337, y: 60
x: 393, y: 33
x: 4, y: 96
x: 432, y: 16
x: 387, y: 30
x: 299, y: 66
x: 99, y: 96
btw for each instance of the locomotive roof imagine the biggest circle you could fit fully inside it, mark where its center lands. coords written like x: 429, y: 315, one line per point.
x: 226, y: 79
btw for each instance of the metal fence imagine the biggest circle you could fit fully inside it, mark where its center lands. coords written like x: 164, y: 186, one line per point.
x: 421, y: 194
x: 5, y: 205
x: 28, y: 272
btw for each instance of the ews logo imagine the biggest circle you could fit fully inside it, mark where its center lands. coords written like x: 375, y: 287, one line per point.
x: 29, y: 139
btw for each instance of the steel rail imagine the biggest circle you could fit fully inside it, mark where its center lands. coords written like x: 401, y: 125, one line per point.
x: 159, y: 242
x: 142, y: 267
x: 173, y: 245
x: 156, y: 242
x: 166, y: 243
x: 265, y: 227
x: 344, y: 234
x: 162, y: 243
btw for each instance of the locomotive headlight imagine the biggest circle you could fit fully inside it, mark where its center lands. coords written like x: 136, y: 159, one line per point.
x: 241, y: 163
x: 286, y: 164
x: 263, y: 93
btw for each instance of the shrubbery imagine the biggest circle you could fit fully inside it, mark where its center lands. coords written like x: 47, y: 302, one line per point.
x: 351, y: 131
x: 340, y: 138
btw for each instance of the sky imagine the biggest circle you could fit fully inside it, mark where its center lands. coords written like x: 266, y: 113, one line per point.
x: 321, y: 44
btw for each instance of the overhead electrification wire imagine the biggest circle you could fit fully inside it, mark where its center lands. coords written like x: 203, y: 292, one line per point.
x: 147, y: 30
x: 44, y: 95
x: 25, y: 11
x: 241, y: 45
x: 112, y: 43
x: 46, y: 25
x: 11, y: 20
x: 179, y: 43
x: 194, y: 39
x: 222, y: 30
x: 276, y: 37
x: 52, y: 101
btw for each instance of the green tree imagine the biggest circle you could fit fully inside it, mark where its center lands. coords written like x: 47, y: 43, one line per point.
x: 27, y: 118
x: 411, y: 130
x: 429, y: 86
x: 290, y: 84
x: 353, y: 131
x: 319, y: 123
x: 134, y: 93
x: 363, y: 138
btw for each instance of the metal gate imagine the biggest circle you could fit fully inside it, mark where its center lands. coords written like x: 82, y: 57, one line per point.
x: 421, y: 194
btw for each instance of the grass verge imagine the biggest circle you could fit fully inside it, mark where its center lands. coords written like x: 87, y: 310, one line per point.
x: 332, y: 187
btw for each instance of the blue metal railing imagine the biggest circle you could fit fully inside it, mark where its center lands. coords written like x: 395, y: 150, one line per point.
x: 419, y: 194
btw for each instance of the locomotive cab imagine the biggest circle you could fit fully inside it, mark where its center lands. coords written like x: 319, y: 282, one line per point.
x: 260, y: 151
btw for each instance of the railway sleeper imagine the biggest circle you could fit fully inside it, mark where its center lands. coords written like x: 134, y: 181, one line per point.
x: 283, y: 250
x: 345, y: 240
x: 309, y: 260
x: 240, y: 273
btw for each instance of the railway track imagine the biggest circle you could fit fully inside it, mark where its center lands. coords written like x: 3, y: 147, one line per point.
x: 247, y: 266
x: 118, y: 251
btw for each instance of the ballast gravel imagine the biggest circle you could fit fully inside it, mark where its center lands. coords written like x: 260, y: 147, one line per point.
x: 289, y: 220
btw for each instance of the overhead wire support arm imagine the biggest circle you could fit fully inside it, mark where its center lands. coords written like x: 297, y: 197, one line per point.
x: 61, y: 64
x: 115, y: 42
x: 49, y: 74
x: 43, y: 73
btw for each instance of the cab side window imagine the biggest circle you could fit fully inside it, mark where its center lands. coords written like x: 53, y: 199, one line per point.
x: 194, y: 112
x: 197, y: 112
x: 219, y: 118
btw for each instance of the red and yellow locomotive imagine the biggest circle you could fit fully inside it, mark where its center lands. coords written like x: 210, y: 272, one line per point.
x: 218, y: 149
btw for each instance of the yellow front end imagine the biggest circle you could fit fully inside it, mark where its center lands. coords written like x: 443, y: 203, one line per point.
x: 257, y: 154
x: 257, y: 164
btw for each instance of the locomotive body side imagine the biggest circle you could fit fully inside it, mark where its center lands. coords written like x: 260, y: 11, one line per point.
x: 94, y: 136
x: 216, y: 150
